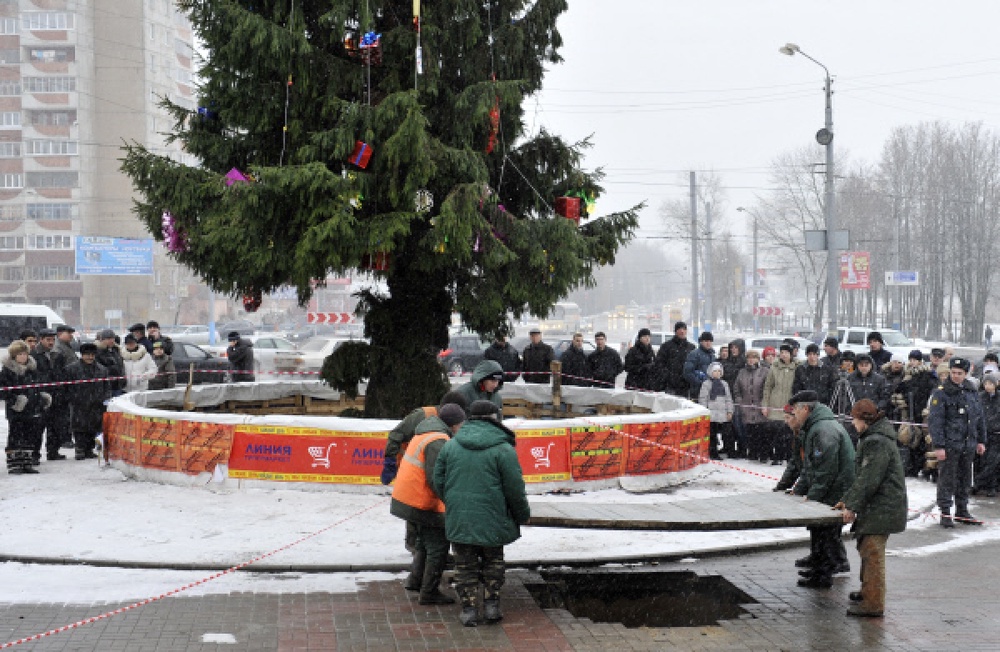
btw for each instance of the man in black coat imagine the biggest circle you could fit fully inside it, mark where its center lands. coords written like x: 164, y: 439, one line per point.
x: 814, y: 376
x: 110, y: 357
x: 574, y: 363
x: 506, y: 356
x: 240, y: 355
x: 537, y: 358
x: 58, y: 418
x: 833, y: 357
x: 669, y: 366
x: 90, y: 391
x: 154, y: 335
x: 880, y: 355
x: 605, y: 363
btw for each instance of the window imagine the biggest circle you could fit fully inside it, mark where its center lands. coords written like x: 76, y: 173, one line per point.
x: 9, y: 26
x: 50, y: 147
x: 855, y: 337
x: 50, y: 242
x: 10, y: 87
x: 157, y: 277
x: 10, y: 119
x: 51, y: 211
x: 64, y: 305
x: 60, y: 118
x: 12, y: 242
x: 47, y: 20
x: 10, y: 150
x: 10, y: 56
x: 51, y: 273
x: 53, y: 179
x: 11, y: 213
x: 49, y: 84
x: 11, y: 180
x: 51, y: 55
x: 12, y: 273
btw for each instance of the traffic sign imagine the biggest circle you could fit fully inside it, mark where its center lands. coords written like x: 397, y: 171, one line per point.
x: 767, y: 311
x: 329, y: 318
x: 911, y: 277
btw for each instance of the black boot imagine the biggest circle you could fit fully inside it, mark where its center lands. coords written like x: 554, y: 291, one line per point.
x: 469, y: 616
x: 416, y: 576
x: 491, y: 610
x: 430, y: 589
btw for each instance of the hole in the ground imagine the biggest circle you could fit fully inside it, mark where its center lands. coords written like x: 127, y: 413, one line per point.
x: 641, y: 598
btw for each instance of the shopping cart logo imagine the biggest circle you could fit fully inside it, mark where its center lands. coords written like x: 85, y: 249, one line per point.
x: 321, y: 456
x: 541, y: 455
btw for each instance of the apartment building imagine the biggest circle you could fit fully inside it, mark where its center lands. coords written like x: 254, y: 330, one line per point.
x: 78, y: 78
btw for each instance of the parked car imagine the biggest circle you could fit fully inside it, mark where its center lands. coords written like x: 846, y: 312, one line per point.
x: 309, y: 331
x: 760, y: 342
x: 308, y: 357
x: 560, y: 347
x: 241, y: 326
x: 191, y: 333
x: 464, y: 352
x: 266, y: 347
x: 208, y: 368
x: 855, y: 338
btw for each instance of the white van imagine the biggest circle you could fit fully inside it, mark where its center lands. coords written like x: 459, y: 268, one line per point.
x: 16, y: 317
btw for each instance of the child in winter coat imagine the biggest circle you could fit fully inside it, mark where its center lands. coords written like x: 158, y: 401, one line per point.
x: 166, y: 373
x: 715, y: 395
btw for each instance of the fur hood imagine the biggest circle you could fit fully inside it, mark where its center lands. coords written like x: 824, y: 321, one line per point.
x: 138, y: 354
x: 20, y: 369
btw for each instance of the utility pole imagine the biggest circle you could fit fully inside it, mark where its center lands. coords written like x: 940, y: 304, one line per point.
x: 694, y: 252
x: 707, y: 316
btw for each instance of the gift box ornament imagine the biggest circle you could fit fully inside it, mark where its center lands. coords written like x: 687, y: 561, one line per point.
x: 379, y: 262
x: 569, y: 207
x: 251, y: 302
x: 371, y: 48
x: 235, y: 176
x: 361, y: 155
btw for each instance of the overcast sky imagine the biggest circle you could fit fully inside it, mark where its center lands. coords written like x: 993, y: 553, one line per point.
x: 668, y: 86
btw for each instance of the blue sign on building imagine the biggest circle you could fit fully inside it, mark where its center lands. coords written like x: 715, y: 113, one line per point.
x: 114, y: 256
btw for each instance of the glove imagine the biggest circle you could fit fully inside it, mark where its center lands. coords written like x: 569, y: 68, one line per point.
x: 46, y: 400
x: 389, y: 469
x: 20, y: 403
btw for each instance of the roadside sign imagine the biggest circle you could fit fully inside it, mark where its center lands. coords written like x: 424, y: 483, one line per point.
x: 329, y: 318
x: 910, y: 277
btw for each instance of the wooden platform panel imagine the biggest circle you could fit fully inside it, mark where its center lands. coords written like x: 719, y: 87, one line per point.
x: 756, y: 511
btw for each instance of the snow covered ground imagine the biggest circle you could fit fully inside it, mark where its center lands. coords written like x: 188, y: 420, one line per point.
x: 78, y: 511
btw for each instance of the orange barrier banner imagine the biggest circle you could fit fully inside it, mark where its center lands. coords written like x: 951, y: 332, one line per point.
x: 158, y: 444
x: 695, y: 438
x: 543, y: 454
x: 596, y: 453
x: 653, y: 448
x: 204, y: 445
x: 289, y: 454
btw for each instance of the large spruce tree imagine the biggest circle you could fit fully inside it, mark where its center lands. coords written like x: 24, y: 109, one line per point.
x: 287, y: 93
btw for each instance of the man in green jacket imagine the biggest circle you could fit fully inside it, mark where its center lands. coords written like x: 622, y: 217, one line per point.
x: 479, y: 478
x: 485, y: 385
x: 827, y: 473
x: 875, y: 503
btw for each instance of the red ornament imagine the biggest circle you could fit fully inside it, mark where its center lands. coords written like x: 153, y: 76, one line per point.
x: 361, y: 155
x: 377, y: 263
x: 494, y: 125
x: 251, y: 302
x: 569, y: 207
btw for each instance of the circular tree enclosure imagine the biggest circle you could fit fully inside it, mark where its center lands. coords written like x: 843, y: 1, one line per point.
x: 292, y: 432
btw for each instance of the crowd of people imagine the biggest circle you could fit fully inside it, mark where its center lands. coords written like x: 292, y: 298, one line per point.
x: 58, y: 387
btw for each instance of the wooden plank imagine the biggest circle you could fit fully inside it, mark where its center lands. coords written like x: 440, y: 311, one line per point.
x: 740, y: 512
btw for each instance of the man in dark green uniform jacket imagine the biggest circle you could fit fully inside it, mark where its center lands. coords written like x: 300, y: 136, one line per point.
x: 828, y: 471
x: 479, y: 478
x: 875, y: 503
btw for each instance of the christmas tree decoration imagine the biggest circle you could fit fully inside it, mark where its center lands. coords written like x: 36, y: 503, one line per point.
x: 431, y: 132
x: 371, y: 48
x: 235, y: 176
x: 173, y: 237
x: 361, y: 155
x: 377, y: 263
x: 207, y: 114
x: 423, y: 201
x: 569, y: 207
x: 252, y: 301
x: 494, y: 126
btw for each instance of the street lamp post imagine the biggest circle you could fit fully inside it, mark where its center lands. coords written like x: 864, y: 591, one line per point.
x: 753, y: 274
x: 825, y: 137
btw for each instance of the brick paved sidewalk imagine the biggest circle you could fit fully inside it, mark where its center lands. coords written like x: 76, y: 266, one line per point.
x: 934, y: 603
